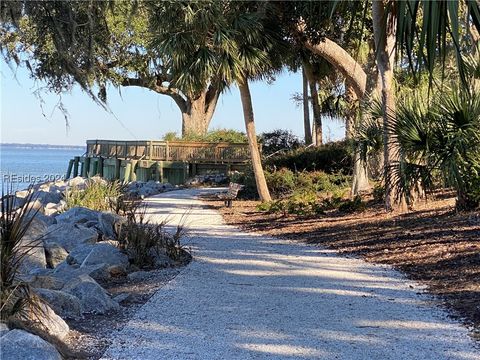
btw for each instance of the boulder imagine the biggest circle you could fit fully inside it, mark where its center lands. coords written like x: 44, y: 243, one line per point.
x: 51, y: 282
x: 64, y: 304
x: 138, y: 275
x: 54, y: 208
x: 32, y: 246
x: 77, y: 182
x: 93, y: 297
x: 21, y: 345
x: 78, y: 254
x: 3, y: 329
x: 45, y: 197
x: 48, y: 321
x: 66, y: 272
x: 69, y: 236
x: 77, y: 215
x: 106, y: 253
x: 46, y: 219
x: 55, y: 254
x: 109, y: 224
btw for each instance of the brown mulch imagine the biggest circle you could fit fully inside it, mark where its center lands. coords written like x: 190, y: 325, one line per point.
x: 433, y: 244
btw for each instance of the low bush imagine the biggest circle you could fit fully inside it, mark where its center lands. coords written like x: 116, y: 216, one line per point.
x: 335, y: 157
x: 281, y: 182
x: 352, y: 206
x: 279, y: 140
x: 216, y: 135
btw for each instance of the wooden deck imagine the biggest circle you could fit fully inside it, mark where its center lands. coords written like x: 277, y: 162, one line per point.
x: 197, y: 152
x: 166, y: 161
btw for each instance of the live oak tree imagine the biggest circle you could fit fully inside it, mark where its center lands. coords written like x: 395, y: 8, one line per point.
x: 99, y: 43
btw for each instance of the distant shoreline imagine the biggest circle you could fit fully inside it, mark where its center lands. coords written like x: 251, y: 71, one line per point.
x: 43, y: 146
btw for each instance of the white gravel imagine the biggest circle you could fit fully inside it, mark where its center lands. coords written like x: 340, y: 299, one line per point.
x: 253, y: 297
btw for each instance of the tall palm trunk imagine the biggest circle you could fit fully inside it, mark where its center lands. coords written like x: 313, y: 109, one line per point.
x: 384, y: 26
x: 317, y: 114
x: 352, y: 105
x: 247, y: 106
x: 306, y: 110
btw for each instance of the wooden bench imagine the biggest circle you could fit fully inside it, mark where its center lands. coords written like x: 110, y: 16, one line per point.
x: 231, y: 194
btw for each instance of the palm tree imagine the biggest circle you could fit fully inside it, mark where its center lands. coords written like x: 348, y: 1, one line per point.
x: 306, y: 110
x: 231, y: 43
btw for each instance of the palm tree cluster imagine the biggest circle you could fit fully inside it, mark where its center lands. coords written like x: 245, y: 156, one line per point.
x: 348, y: 51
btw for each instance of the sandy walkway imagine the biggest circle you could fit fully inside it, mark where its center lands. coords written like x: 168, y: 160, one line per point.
x: 252, y: 297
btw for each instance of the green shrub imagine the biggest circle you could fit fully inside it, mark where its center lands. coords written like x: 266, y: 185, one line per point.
x: 378, y: 193
x: 216, y: 135
x: 352, y: 206
x: 335, y: 157
x: 279, y: 140
x: 280, y: 182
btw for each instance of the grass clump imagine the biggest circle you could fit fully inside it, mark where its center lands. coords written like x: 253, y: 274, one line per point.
x: 97, y: 195
x: 146, y: 243
x: 17, y: 300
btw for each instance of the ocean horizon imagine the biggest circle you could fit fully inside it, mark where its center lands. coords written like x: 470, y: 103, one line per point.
x: 24, y: 164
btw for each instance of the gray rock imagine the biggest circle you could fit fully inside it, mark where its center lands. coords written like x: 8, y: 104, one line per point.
x: 106, y: 253
x: 78, y: 254
x: 77, y: 182
x: 138, y: 275
x: 110, y: 224
x: 125, y: 298
x: 64, y: 304
x: 52, y: 209
x: 32, y: 246
x: 93, y: 297
x: 46, y: 219
x: 77, y: 215
x: 41, y: 272
x: 49, y: 322
x: 46, y: 282
x: 45, y: 197
x: 3, y: 329
x: 55, y: 254
x: 69, y: 236
x: 21, y: 345
x: 67, y: 273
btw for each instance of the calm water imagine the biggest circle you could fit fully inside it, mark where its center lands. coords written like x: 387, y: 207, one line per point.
x: 22, y: 166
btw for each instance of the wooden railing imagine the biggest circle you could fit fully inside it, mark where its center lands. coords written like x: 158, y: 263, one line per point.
x: 169, y: 151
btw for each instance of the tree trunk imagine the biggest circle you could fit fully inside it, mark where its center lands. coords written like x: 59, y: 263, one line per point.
x: 317, y: 114
x: 352, y: 106
x: 360, y: 175
x: 196, y: 117
x: 384, y: 26
x: 306, y: 110
x: 247, y: 106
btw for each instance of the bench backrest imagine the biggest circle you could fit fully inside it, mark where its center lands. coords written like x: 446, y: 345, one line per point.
x: 234, y: 188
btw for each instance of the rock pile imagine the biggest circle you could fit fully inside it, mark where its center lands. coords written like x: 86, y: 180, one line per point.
x: 211, y: 179
x: 78, y: 251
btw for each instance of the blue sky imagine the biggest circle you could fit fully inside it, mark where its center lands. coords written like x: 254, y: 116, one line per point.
x: 137, y: 113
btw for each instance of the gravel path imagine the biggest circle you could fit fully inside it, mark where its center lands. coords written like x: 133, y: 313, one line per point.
x: 253, y: 297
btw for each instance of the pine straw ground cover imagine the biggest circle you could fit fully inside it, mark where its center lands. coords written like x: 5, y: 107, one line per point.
x: 433, y: 244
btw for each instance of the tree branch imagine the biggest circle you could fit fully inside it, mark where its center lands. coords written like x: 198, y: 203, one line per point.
x: 339, y: 58
x: 154, y: 85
